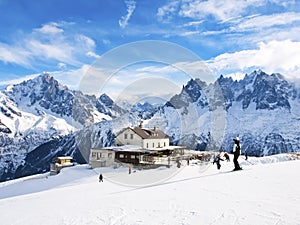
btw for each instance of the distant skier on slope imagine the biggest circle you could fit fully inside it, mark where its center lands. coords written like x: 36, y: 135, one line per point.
x: 217, y: 160
x: 100, y: 177
x: 236, y: 153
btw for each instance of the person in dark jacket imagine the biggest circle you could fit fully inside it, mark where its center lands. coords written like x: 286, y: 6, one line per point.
x: 236, y: 153
x: 217, y: 160
x: 100, y: 177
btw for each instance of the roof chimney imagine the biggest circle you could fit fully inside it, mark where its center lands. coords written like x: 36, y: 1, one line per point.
x: 141, y: 124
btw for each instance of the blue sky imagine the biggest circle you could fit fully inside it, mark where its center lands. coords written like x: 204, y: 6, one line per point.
x: 65, y: 37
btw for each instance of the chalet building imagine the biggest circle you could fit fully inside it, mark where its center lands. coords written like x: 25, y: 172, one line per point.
x: 146, y: 138
x: 136, y: 146
x: 59, y: 163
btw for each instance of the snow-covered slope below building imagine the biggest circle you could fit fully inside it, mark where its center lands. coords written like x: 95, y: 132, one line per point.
x: 263, y: 193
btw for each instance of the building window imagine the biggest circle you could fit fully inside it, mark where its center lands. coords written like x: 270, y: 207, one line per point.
x: 94, y: 154
x: 125, y: 136
x: 121, y: 156
x: 153, y: 144
x: 158, y: 145
x: 99, y: 155
x: 164, y: 144
x: 132, y: 156
x: 131, y: 136
x: 109, y: 155
x: 147, y: 145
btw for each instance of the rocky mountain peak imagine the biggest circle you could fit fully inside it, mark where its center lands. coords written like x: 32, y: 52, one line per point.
x: 193, y: 92
x: 266, y: 91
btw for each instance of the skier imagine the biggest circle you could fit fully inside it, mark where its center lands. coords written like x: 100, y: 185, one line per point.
x: 100, y: 177
x: 246, y: 155
x: 236, y: 153
x: 178, y: 163
x: 129, y: 169
x: 217, y: 160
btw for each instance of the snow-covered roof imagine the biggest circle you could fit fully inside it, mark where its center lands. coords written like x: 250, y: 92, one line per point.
x: 132, y: 148
x: 147, y: 133
x: 65, y: 157
x: 136, y: 148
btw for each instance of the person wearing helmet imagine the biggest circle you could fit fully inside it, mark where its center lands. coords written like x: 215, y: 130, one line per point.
x: 236, y: 153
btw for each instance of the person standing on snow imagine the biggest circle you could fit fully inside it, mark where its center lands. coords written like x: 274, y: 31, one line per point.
x: 217, y: 160
x: 236, y: 153
x: 100, y: 177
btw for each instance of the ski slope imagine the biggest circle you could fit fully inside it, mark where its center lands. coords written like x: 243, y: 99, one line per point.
x: 266, y: 191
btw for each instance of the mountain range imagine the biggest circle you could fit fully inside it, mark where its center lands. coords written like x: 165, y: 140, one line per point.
x: 42, y: 119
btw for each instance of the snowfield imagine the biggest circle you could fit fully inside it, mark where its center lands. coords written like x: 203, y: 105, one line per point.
x: 266, y: 191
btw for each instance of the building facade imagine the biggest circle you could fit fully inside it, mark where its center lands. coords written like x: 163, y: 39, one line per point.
x: 101, y: 157
x: 144, y: 137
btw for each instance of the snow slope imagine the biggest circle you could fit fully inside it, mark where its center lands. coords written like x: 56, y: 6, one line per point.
x: 265, y: 192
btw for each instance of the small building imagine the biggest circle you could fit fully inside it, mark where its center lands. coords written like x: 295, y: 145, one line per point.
x: 59, y: 163
x: 146, y: 138
x: 101, y: 157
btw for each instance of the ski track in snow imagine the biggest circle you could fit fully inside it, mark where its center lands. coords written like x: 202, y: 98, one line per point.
x: 265, y: 192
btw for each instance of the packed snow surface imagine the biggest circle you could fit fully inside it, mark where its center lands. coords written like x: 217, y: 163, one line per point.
x: 266, y: 191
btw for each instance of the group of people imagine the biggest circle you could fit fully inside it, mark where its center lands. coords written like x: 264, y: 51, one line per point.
x: 236, y: 153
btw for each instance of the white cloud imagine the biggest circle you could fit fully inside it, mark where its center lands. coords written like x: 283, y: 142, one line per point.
x: 57, y: 51
x: 46, y: 45
x: 224, y: 10
x: 85, y: 41
x: 14, y: 54
x: 193, y: 23
x: 166, y: 12
x: 264, y: 21
x: 61, y: 65
x: 272, y: 57
x: 130, y: 4
x: 50, y: 28
x: 221, y: 10
x: 93, y: 55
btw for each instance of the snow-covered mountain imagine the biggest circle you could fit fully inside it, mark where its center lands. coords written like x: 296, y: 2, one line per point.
x: 263, y: 110
x: 41, y: 119
x: 40, y: 111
